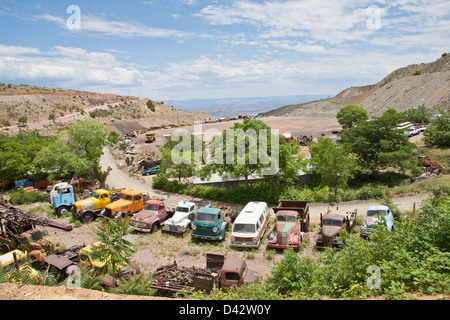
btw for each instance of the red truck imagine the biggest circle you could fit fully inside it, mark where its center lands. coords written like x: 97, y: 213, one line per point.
x: 292, y: 219
x: 150, y: 218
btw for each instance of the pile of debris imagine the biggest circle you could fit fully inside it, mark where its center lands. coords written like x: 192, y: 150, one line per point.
x: 430, y: 167
x: 172, y: 278
x: 304, y: 140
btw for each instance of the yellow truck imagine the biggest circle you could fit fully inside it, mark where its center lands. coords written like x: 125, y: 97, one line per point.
x: 150, y: 137
x: 17, y: 260
x: 89, y: 209
x: 130, y: 202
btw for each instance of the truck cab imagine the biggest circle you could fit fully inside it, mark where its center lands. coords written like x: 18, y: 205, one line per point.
x: 376, y: 214
x: 151, y: 217
x: 62, y: 199
x: 130, y: 201
x: 332, y: 224
x: 17, y: 259
x: 209, y: 224
x: 38, y: 239
x: 236, y: 273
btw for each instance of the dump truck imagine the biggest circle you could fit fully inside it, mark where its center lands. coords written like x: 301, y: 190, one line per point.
x: 287, y: 230
x: 88, y: 209
x: 153, y: 215
x: 26, y: 232
x: 130, y: 202
x: 302, y: 209
x: 331, y: 224
x: 150, y: 137
x: 184, y: 214
x: 66, y: 263
x: 212, y: 223
x: 219, y: 273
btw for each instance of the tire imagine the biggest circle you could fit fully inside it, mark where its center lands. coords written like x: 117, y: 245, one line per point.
x: 62, y: 211
x: 155, y: 227
x: 87, y: 217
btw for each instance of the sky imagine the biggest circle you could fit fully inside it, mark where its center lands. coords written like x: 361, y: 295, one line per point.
x: 195, y: 49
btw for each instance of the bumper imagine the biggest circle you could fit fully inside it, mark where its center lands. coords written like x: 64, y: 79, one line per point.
x: 204, y: 237
x: 365, y: 232
x: 282, y: 246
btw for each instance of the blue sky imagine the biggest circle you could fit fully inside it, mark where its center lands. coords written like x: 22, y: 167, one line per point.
x: 185, y: 49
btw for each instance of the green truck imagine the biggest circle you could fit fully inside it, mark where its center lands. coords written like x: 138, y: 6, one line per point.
x: 212, y: 223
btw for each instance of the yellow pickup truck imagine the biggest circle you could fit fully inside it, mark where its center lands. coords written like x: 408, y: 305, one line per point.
x: 88, y: 209
x: 130, y: 201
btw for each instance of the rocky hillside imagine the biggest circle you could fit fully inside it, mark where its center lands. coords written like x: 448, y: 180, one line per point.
x: 404, y: 88
x: 47, y: 110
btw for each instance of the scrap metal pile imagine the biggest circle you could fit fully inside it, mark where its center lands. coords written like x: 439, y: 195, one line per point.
x: 171, y: 278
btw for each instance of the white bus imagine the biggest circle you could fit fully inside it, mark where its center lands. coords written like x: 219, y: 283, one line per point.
x: 250, y: 225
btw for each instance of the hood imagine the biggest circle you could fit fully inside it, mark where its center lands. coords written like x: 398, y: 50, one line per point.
x: 85, y: 204
x: 178, y: 216
x: 251, y: 276
x: 119, y: 204
x: 144, y: 215
x: 285, y: 227
x: 371, y: 220
x: 330, y: 231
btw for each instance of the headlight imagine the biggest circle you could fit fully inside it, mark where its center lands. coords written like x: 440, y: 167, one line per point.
x: 194, y: 227
x: 215, y: 230
x: 255, y: 240
x: 232, y: 239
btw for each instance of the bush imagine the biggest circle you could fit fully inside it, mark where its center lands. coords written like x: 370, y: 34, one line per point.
x: 19, y: 196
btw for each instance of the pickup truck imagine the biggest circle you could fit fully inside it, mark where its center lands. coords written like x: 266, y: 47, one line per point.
x: 211, y: 223
x: 219, y: 273
x: 130, y: 201
x: 185, y: 212
x: 62, y: 198
x: 65, y: 263
x: 302, y: 209
x: 373, y: 215
x: 287, y: 231
x: 88, y: 209
x: 331, y: 224
x: 150, y: 218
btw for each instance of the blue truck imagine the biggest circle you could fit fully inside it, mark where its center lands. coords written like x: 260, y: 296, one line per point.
x: 62, y: 198
x: 212, y: 223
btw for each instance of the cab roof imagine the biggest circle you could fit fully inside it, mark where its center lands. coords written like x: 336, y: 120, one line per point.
x: 131, y: 192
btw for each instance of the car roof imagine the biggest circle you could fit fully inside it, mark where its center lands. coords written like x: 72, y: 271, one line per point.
x: 209, y: 210
x: 378, y: 208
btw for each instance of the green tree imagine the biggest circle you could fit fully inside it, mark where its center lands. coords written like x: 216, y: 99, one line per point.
x: 438, y: 132
x: 180, y: 158
x: 417, y: 115
x: 333, y: 163
x: 113, y: 249
x: 17, y: 155
x: 249, y: 149
x: 350, y: 115
x: 377, y: 145
x: 77, y: 150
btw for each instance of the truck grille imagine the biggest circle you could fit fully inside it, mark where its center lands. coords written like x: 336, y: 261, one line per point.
x: 173, y: 228
x: 107, y: 213
x: 282, y: 238
x: 327, y: 241
x: 204, y: 231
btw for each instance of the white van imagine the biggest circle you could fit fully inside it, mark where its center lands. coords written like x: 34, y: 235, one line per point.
x: 408, y: 129
x: 250, y: 225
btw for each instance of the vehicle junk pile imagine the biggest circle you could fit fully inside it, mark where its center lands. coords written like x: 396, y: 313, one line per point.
x: 304, y: 140
x: 172, y: 279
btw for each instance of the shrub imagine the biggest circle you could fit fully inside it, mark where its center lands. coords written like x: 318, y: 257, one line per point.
x: 19, y: 196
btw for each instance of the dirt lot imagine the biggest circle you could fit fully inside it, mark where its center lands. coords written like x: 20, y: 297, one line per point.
x: 157, y: 249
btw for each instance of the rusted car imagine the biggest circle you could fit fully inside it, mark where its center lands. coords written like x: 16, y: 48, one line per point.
x: 332, y: 224
x: 151, y: 218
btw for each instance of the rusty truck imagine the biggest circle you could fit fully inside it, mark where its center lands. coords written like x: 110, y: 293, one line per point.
x: 331, y: 225
x: 66, y: 262
x: 220, y: 272
x: 287, y: 231
x: 153, y: 215
x: 26, y: 232
x: 301, y: 207
x: 130, y: 202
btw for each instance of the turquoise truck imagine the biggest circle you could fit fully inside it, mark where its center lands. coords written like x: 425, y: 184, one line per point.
x: 212, y: 223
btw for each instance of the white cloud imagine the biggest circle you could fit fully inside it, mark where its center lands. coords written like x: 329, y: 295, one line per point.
x: 125, y: 29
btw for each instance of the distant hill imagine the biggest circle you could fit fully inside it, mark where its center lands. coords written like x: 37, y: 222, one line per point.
x: 402, y: 89
x: 48, y: 109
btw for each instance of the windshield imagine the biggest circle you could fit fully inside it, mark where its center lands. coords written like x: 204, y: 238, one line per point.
x: 95, y: 195
x: 286, y: 218
x: 182, y: 209
x: 151, y: 207
x: 372, y: 213
x: 330, y: 222
x: 244, y: 228
x: 126, y: 197
x: 206, y: 217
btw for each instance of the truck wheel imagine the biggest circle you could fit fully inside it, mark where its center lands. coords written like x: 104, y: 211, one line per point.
x: 62, y: 211
x: 87, y: 217
x: 155, y: 227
